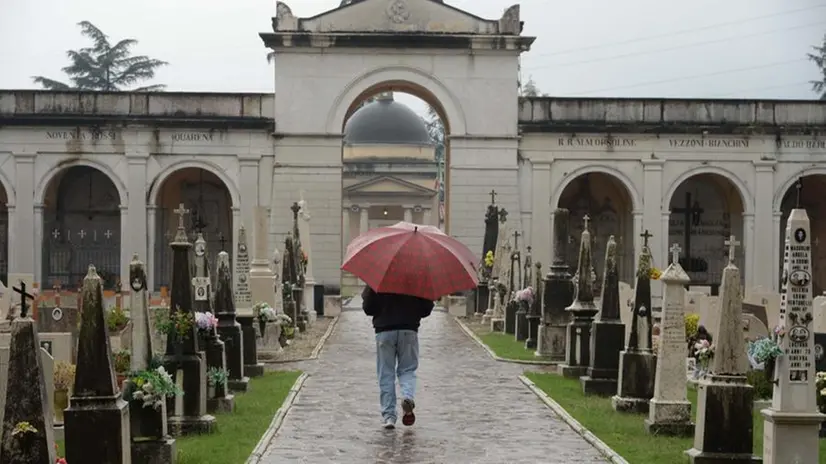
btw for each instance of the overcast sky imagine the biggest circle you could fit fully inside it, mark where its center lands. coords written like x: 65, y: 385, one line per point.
x: 642, y: 48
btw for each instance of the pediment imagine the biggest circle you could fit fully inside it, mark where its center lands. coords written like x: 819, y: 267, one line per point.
x: 388, y: 185
x: 400, y: 16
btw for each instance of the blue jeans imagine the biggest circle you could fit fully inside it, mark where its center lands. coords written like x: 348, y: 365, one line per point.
x: 397, y: 353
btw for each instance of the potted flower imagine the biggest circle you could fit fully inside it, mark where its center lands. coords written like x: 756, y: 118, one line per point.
x: 64, y: 380
x: 216, y: 382
x: 179, y: 323
x: 287, y: 327
x: 123, y: 362
x: 487, y: 265
x: 147, y: 392
x: 263, y: 313
x: 765, y: 351
x: 655, y: 273
x: 117, y: 321
x: 24, y: 431
x: 820, y: 385
x: 525, y: 297
x: 704, y: 353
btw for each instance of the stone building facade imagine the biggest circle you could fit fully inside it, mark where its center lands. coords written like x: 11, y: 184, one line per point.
x: 707, y: 167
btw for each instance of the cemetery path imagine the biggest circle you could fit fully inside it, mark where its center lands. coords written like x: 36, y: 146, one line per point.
x: 469, y: 408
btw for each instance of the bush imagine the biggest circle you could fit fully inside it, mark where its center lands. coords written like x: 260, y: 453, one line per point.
x: 123, y: 361
x: 64, y: 376
x: 692, y: 323
x: 116, y: 319
x: 763, y: 388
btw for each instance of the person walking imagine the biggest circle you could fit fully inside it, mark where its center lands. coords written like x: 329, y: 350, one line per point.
x: 396, y: 320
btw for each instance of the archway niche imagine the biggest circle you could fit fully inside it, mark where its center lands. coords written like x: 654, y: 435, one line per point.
x: 395, y: 153
x: 705, y: 210
x: 608, y: 204
x: 210, y: 213
x: 812, y: 199
x: 81, y: 226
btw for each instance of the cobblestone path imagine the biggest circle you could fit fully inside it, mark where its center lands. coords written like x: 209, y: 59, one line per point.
x: 469, y: 408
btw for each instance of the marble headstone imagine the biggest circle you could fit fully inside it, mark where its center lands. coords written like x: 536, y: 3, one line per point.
x: 228, y: 327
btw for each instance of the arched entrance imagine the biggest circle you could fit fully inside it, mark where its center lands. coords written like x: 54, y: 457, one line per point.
x: 608, y: 204
x: 814, y: 202
x: 81, y: 226
x: 705, y: 209
x: 210, y: 212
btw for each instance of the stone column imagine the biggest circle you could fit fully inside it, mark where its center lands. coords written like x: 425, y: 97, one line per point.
x: 776, y: 242
x: 138, y: 227
x: 541, y: 226
x: 408, y: 214
x: 364, y: 224
x: 426, y: 216
x: 11, y: 242
x: 126, y: 243
x: 748, y: 247
x: 762, y: 269
x: 38, y: 244
x: 669, y: 409
x: 25, y: 252
x: 792, y: 422
x: 261, y: 277
x: 151, y: 236
x: 345, y: 229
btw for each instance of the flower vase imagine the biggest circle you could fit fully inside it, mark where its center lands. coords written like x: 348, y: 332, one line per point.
x: 282, y: 338
x: 210, y: 390
x: 146, y: 422
x: 262, y: 325
x: 61, y: 402
x: 768, y: 369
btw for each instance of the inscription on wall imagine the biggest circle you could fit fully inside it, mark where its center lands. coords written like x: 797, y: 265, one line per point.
x: 81, y: 135
x: 597, y: 142
x: 193, y: 137
x: 805, y: 144
x: 708, y: 143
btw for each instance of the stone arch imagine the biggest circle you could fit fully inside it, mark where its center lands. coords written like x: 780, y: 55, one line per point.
x: 636, y: 198
x: 814, y: 202
x: 789, y: 182
x: 207, y: 196
x: 607, y: 197
x: 6, y: 203
x: 46, y: 179
x: 745, y: 194
x: 157, y: 184
x: 82, y: 225
x: 8, y: 188
x: 412, y: 80
x: 706, y: 205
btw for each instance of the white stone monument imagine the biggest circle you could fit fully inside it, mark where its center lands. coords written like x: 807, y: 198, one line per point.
x: 669, y: 411
x: 141, y: 323
x: 790, y: 431
x: 495, y: 314
x: 261, y: 278
x: 305, y: 238
x: 243, y: 296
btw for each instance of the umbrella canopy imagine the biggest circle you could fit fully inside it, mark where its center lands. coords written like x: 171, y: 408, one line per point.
x: 411, y: 259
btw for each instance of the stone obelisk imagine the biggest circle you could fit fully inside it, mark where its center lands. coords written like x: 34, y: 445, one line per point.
x: 607, y: 332
x: 791, y: 424
x: 228, y: 327
x: 669, y: 410
x: 637, y: 364
x: 558, y: 295
x: 725, y: 427
x: 583, y: 310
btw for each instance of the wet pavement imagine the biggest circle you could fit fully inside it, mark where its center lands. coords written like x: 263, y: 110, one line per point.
x: 469, y: 408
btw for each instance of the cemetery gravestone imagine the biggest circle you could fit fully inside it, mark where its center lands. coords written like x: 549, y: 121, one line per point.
x: 305, y: 239
x: 535, y: 313
x: 243, y: 307
x: 637, y: 363
x: 97, y: 420
x: 500, y: 274
x: 558, y: 295
x: 608, y: 332
x: 669, y: 409
x: 228, y: 328
x: 261, y: 278
x: 183, y: 359
x: 792, y: 423
x: 724, y: 430
x: 583, y: 309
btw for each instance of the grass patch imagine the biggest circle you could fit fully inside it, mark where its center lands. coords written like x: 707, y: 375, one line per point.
x: 625, y: 433
x: 505, y: 346
x: 238, y: 432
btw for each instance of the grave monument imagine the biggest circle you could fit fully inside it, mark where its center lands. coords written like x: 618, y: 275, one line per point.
x: 724, y: 431
x: 228, y: 328
x: 488, y: 245
x: 243, y: 307
x: 792, y: 423
x: 305, y: 239
x: 607, y: 332
x: 558, y: 294
x: 669, y: 409
x: 183, y: 358
x: 535, y: 313
x: 637, y: 363
x: 583, y: 309
x: 97, y: 424
x: 26, y: 394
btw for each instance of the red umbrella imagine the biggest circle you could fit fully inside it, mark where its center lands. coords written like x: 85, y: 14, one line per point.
x: 411, y: 259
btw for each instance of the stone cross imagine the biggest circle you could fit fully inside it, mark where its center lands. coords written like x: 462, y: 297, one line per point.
x: 180, y: 211
x: 645, y: 236
x: 223, y: 240
x: 24, y: 306
x: 295, y: 208
x: 493, y: 197
x: 799, y: 187
x: 586, y: 220
x: 675, y: 253
x: 516, y: 236
x: 503, y: 215
x: 731, y: 243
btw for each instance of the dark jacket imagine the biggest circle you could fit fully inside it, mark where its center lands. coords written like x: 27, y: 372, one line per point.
x: 395, y: 312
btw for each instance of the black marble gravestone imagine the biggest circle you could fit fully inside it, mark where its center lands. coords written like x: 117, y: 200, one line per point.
x: 228, y: 327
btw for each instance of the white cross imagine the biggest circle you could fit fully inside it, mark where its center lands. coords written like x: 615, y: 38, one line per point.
x: 56, y: 234
x: 675, y: 253
x: 731, y: 243
x: 108, y: 234
x: 82, y: 234
x: 180, y: 211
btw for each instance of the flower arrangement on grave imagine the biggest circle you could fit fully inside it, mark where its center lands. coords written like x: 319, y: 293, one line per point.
x: 764, y: 351
x: 22, y: 428
x: 526, y: 295
x: 704, y: 352
x: 692, y: 324
x: 206, y: 321
x: 820, y: 384
x: 116, y: 319
x: 152, y: 387
x: 263, y: 312
x: 64, y: 381
x: 217, y: 376
x: 179, y: 322
x: 655, y: 273
x: 487, y: 265
x: 123, y: 360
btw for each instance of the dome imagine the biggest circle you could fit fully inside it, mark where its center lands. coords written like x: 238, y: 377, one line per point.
x: 385, y: 121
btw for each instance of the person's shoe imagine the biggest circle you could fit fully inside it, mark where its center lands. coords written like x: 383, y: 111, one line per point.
x: 408, y: 418
x: 389, y: 423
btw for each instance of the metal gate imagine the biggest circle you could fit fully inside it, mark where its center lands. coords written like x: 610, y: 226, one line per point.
x: 68, y: 251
